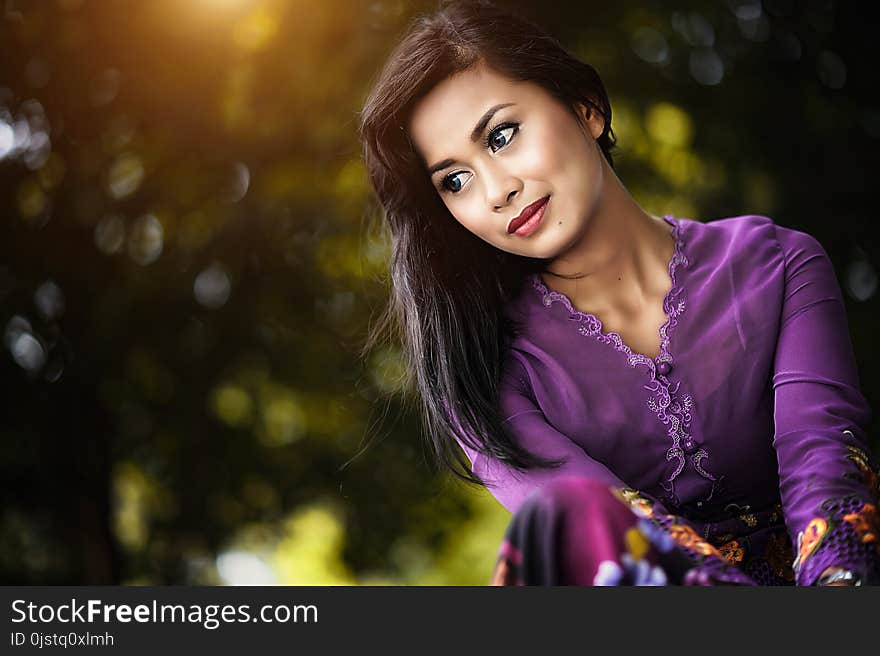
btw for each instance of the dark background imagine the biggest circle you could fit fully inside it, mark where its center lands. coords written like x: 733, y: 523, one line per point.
x: 186, y: 269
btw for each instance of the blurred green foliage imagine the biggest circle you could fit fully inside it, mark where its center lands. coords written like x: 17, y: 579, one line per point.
x: 187, y: 271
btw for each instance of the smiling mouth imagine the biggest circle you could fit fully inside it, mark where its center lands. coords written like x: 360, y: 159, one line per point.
x: 534, y: 216
x: 526, y: 214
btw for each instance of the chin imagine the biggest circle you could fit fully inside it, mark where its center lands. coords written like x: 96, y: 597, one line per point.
x: 543, y: 253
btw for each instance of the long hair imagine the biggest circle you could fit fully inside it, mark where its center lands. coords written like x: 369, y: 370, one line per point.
x: 449, y: 287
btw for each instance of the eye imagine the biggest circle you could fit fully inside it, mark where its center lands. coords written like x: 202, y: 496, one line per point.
x: 497, y: 139
x: 501, y: 136
x: 451, y: 182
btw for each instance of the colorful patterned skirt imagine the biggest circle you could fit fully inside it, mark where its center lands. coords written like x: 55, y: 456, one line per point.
x: 575, y: 531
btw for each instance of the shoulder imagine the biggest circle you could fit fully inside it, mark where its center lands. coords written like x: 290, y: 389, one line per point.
x: 750, y: 231
x: 515, y: 376
x: 756, y: 248
x: 799, y: 247
x: 742, y: 232
x: 515, y: 393
x: 737, y: 247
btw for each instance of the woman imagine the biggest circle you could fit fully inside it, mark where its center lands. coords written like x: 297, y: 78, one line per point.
x: 655, y: 399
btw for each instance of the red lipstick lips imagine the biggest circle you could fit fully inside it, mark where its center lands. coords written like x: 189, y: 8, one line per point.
x: 526, y: 214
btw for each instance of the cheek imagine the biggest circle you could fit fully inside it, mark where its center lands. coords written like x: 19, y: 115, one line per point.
x: 551, y: 153
x: 468, y: 213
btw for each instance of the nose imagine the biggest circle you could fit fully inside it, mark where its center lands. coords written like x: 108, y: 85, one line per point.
x: 510, y: 196
x: 501, y: 188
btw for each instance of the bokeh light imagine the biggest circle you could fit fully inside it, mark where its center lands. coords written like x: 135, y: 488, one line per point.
x: 212, y: 287
x: 243, y: 568
x: 146, y: 239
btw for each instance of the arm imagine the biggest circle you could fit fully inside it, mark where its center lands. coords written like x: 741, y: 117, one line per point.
x: 530, y: 429
x: 827, y: 486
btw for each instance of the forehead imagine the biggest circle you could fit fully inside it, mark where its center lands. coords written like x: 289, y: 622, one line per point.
x: 446, y: 115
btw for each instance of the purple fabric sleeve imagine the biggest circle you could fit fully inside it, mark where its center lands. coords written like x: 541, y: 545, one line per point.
x: 529, y: 428
x: 820, y: 418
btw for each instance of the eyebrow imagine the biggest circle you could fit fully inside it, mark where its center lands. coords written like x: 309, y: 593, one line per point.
x: 475, y: 135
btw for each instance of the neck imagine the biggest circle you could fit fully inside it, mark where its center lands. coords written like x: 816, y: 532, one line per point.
x: 620, y: 257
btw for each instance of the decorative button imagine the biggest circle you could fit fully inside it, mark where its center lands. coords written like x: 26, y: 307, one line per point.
x: 690, y: 446
x: 664, y: 368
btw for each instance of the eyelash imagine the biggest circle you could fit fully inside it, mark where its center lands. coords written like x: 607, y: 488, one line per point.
x: 444, y: 188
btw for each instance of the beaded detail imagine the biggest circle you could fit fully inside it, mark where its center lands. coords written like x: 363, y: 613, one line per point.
x: 672, y: 408
x: 846, y: 530
x: 847, y: 535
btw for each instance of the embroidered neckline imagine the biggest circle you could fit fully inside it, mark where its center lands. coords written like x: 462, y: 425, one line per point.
x: 673, y: 306
x: 672, y: 406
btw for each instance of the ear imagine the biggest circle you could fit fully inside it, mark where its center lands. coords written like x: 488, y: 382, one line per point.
x: 592, y: 120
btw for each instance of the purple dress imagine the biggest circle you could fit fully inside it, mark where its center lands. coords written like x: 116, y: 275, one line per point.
x: 749, y: 427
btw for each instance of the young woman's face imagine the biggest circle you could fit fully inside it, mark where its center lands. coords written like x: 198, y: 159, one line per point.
x: 493, y: 146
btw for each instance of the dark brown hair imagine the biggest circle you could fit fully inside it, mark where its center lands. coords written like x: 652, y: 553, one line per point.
x: 449, y: 287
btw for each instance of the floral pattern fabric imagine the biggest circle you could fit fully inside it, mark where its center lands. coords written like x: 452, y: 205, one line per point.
x: 577, y: 531
x: 847, y: 532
